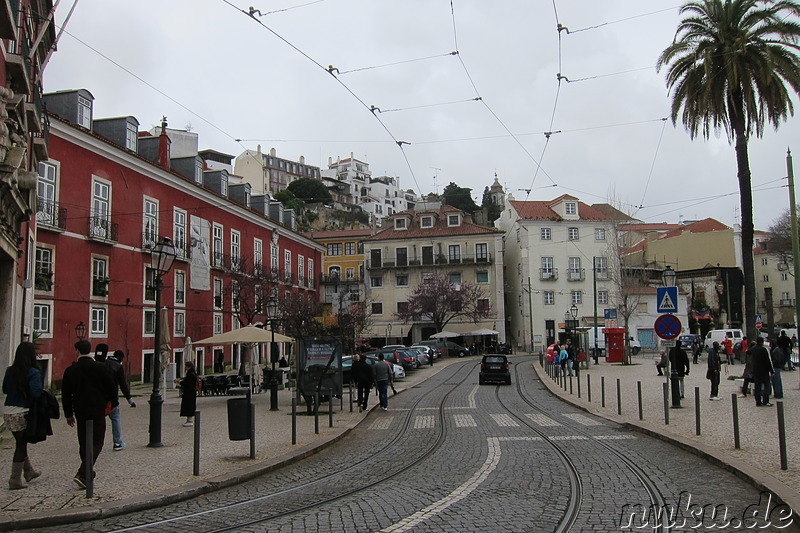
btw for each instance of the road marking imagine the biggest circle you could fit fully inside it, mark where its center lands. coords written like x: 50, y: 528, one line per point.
x: 471, y: 397
x: 542, y: 420
x: 566, y: 437
x: 382, y: 423
x: 614, y: 437
x: 583, y: 419
x: 424, y: 422
x: 465, y: 421
x: 461, y: 492
x: 505, y: 421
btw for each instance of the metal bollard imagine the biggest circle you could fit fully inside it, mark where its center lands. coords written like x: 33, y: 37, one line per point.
x: 619, y: 398
x: 697, y: 410
x: 294, y: 420
x: 602, y: 391
x: 252, y: 408
x: 350, y: 386
x: 88, y: 469
x: 316, y: 413
x: 196, y: 449
x: 782, y: 436
x: 330, y: 409
x: 665, y: 386
x: 570, y: 384
x: 579, y: 387
x: 639, y: 395
x: 589, y: 387
x: 735, y: 411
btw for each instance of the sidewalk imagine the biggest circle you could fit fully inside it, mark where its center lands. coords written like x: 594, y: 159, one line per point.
x: 757, y: 460
x: 139, y: 477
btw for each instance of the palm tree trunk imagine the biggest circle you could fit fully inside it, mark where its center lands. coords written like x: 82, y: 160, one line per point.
x: 746, y: 203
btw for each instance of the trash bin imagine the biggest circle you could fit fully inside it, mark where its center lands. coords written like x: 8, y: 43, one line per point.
x: 238, y: 419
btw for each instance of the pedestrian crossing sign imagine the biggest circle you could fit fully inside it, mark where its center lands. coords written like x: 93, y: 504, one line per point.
x: 667, y: 299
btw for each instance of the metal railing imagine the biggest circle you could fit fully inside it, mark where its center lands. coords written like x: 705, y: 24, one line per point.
x: 102, y: 229
x: 548, y: 274
x: 575, y: 274
x: 48, y: 213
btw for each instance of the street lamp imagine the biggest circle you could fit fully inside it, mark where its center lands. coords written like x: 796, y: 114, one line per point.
x: 80, y: 330
x: 161, y: 258
x: 272, y: 318
x: 668, y: 277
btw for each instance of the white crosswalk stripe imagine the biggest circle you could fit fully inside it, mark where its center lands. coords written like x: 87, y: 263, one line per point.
x: 465, y: 421
x: 382, y: 423
x: 614, y: 437
x: 542, y: 420
x: 424, y: 422
x: 583, y: 419
x: 566, y: 437
x: 504, y: 421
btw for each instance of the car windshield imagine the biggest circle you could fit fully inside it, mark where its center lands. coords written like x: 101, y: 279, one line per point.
x: 494, y: 359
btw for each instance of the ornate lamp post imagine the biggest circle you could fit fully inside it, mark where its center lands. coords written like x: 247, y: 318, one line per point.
x: 161, y: 259
x: 80, y: 330
x: 272, y: 319
x: 668, y: 277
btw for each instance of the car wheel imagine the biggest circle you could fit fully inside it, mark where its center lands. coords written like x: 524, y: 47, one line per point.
x: 635, y: 350
x: 462, y: 353
x: 508, y: 381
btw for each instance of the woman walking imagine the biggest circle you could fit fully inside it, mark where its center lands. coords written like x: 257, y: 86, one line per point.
x: 21, y: 384
x: 712, y: 374
x: 189, y: 393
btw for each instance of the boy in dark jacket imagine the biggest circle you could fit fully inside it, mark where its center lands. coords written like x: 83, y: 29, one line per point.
x: 120, y: 384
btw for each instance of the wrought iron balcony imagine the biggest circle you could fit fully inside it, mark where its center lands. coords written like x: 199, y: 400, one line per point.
x: 182, y: 251
x: 404, y: 262
x: 575, y: 274
x: 100, y: 286
x: 548, y: 274
x: 43, y: 281
x: 102, y: 229
x: 149, y: 240
x: 50, y: 215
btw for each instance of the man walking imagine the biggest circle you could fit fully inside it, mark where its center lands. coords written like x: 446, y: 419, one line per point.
x: 680, y: 363
x: 120, y: 384
x: 362, y: 375
x: 762, y: 370
x: 779, y: 356
x: 382, y: 374
x: 86, y: 389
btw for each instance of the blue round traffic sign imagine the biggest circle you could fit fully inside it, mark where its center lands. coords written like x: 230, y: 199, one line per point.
x: 667, y: 326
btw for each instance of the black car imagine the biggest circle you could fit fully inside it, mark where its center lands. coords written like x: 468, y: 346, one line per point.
x: 686, y: 340
x: 494, y: 367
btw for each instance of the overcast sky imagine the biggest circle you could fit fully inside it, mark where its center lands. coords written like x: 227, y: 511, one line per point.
x: 263, y: 80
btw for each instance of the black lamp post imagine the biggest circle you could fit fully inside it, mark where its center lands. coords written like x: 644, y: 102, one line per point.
x: 668, y: 277
x: 80, y: 330
x: 272, y: 319
x: 161, y: 258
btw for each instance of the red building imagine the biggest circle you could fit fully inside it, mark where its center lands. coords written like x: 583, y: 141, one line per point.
x: 28, y: 35
x: 111, y: 193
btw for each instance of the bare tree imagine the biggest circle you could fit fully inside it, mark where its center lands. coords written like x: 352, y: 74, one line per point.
x: 249, y: 285
x: 440, y: 301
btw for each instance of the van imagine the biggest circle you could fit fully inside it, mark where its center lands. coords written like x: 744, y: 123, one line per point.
x: 718, y: 335
x: 601, y: 339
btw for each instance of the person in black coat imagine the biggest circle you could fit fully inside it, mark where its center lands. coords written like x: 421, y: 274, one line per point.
x: 87, y: 391
x: 762, y: 372
x: 679, y: 360
x: 362, y: 376
x: 188, y: 393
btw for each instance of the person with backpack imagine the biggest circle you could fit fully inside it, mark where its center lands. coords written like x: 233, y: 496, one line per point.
x: 779, y: 357
x: 121, y: 384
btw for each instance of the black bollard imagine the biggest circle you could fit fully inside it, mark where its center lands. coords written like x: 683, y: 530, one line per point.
x: 589, y: 387
x: 602, y: 391
x: 330, y: 409
x: 697, y: 410
x: 196, y: 447
x: 294, y: 420
x: 782, y: 437
x: 316, y: 413
x: 639, y: 394
x: 666, y: 402
x: 619, y: 398
x: 735, y: 411
x: 579, y: 387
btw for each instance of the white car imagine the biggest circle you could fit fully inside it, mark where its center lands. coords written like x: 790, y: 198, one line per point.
x: 398, y: 372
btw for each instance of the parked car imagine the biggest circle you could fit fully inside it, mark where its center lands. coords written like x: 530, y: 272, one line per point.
x: 447, y: 347
x: 394, y: 346
x: 422, y: 354
x: 688, y: 339
x: 494, y: 368
x: 398, y: 372
x: 430, y: 351
x: 718, y: 335
x: 397, y: 356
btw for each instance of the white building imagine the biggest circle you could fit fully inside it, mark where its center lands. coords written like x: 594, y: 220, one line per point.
x: 550, y: 247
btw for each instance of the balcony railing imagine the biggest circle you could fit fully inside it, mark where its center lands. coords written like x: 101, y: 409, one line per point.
x: 102, y: 229
x: 217, y: 259
x: 149, y: 240
x: 575, y: 274
x: 786, y: 302
x: 182, y: 251
x: 100, y: 286
x: 406, y: 262
x: 602, y: 274
x: 548, y: 274
x: 49, y: 214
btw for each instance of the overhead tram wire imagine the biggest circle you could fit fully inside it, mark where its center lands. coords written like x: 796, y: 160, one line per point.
x: 254, y: 11
x: 601, y: 25
x: 342, y: 72
x: 330, y: 70
x: 429, y: 105
x: 652, y: 165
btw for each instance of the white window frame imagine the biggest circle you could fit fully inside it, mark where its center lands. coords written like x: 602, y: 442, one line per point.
x: 576, y: 297
x: 179, y: 318
x: 310, y: 277
x: 101, y: 208
x: 599, y: 234
x: 287, y: 264
x: 398, y: 282
x: 400, y: 224
x: 84, y: 112
x: 273, y: 258
x: 477, y: 278
x: 148, y: 312
x: 217, y: 245
x: 258, y: 254
x: 570, y: 208
x: 98, y: 321
x: 100, y: 270
x: 549, y: 297
x: 453, y: 220
x: 198, y: 172
x: 602, y: 297
x: 236, y: 249
x: 218, y: 293
x: 45, y: 264
x: 131, y: 136
x: 43, y: 322
x: 573, y: 234
x: 426, y: 222
x: 217, y: 323
x: 180, y: 288
x: 179, y: 233
x: 150, y: 221
x: 149, y: 280
x: 301, y: 269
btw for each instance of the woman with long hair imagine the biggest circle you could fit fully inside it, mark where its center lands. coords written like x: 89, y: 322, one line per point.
x: 21, y: 384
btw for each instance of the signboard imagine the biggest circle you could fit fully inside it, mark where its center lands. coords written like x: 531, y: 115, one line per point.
x: 667, y: 326
x: 667, y: 299
x: 610, y: 314
x: 320, y: 363
x: 759, y: 322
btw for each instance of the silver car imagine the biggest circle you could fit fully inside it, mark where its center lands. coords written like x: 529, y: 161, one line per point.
x: 421, y: 353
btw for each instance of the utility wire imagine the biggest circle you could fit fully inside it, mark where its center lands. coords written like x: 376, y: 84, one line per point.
x: 429, y: 105
x: 342, y: 72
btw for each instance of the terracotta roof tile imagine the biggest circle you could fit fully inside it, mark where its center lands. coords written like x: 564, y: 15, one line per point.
x: 439, y: 229
x: 541, y: 210
x: 701, y: 226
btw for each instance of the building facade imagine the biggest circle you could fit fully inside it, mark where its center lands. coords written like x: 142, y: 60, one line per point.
x: 558, y: 254
x: 418, y: 243
x: 28, y: 39
x: 112, y: 193
x: 268, y: 173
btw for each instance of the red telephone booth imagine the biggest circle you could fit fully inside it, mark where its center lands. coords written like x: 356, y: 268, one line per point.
x: 615, y: 344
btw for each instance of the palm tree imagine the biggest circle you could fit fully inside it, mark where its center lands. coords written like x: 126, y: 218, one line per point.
x: 728, y: 68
